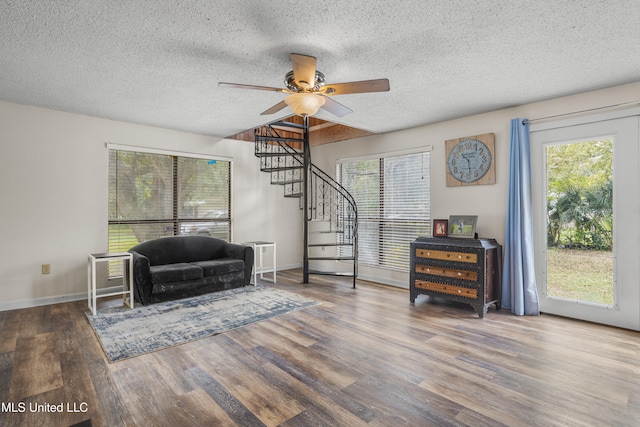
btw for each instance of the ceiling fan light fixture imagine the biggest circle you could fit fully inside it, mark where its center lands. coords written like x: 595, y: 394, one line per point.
x: 304, y: 103
x: 307, y: 91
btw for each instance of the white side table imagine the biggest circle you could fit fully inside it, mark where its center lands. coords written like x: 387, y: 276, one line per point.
x: 127, y: 277
x: 258, y: 260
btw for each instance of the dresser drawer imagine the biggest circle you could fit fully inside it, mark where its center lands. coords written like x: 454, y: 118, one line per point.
x: 447, y: 289
x: 447, y: 272
x: 447, y: 255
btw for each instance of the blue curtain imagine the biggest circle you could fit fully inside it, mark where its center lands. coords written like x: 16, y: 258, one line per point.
x: 519, y: 291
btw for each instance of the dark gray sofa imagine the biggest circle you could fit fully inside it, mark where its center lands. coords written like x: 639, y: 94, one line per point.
x: 184, y: 266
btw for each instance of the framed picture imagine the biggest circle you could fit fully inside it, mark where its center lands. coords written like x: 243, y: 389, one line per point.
x: 463, y: 226
x: 440, y: 227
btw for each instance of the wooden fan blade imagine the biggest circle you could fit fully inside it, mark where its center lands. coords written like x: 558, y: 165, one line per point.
x: 279, y: 106
x: 335, y: 108
x: 304, y: 70
x: 241, y: 86
x: 379, y: 85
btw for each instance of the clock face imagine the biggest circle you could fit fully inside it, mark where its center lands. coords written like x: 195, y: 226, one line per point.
x: 469, y: 160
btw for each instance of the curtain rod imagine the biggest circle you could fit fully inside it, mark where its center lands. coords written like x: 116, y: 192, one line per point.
x: 623, y: 104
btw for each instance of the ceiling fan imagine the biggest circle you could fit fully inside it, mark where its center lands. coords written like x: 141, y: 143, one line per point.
x: 307, y: 91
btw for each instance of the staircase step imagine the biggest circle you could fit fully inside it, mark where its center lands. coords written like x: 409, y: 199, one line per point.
x: 322, y: 245
x: 288, y: 124
x: 331, y: 258
x: 285, y: 182
x: 278, y: 138
x: 331, y: 273
x: 280, y: 169
x: 294, y: 195
x: 259, y: 154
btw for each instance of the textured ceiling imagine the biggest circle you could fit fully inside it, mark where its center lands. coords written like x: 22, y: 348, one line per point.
x: 158, y: 62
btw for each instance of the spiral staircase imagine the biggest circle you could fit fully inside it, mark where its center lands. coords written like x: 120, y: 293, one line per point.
x: 329, y: 211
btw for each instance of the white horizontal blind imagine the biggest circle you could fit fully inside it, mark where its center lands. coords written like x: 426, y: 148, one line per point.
x: 362, y: 180
x: 392, y: 196
x: 155, y: 195
x: 204, y: 197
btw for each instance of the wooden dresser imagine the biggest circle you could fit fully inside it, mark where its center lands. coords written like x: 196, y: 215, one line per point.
x: 463, y: 270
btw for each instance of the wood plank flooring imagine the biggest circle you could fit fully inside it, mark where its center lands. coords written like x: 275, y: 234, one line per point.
x: 364, y: 357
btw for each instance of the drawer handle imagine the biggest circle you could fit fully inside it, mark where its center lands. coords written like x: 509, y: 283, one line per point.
x: 459, y: 256
x: 428, y: 253
x: 459, y: 274
x: 459, y: 291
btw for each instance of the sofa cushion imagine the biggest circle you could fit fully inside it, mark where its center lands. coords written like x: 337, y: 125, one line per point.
x: 176, y: 249
x: 216, y: 267
x: 175, y: 272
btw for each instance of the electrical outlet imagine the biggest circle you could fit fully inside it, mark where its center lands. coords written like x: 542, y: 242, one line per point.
x: 46, y: 268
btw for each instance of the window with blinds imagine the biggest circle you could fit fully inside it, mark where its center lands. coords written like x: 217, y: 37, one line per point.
x: 392, y: 196
x: 155, y: 195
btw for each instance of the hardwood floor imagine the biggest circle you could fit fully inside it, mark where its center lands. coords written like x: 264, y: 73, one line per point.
x: 362, y: 357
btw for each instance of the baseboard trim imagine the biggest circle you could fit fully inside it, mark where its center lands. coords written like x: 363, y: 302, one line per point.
x: 384, y: 281
x: 288, y: 267
x: 38, y: 302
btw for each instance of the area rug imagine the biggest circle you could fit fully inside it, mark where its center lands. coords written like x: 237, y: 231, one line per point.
x: 126, y: 333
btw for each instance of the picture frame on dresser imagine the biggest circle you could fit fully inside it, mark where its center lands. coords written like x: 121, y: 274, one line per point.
x: 440, y: 227
x: 463, y: 226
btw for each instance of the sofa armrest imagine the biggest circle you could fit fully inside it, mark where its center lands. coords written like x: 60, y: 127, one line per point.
x: 244, y: 253
x: 142, y: 278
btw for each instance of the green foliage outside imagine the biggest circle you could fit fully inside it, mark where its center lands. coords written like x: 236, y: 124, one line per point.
x: 580, y: 195
x: 580, y: 221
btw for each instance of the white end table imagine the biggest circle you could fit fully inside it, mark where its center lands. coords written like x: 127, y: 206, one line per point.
x: 127, y: 277
x: 258, y: 260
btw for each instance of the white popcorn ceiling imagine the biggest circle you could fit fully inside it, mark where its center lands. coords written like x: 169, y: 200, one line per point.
x: 158, y: 62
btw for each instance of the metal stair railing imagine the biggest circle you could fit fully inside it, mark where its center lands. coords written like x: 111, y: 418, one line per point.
x: 332, y: 203
x: 283, y: 162
x: 327, y: 200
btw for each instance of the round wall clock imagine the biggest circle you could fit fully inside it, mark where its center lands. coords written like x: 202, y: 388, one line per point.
x: 470, y: 160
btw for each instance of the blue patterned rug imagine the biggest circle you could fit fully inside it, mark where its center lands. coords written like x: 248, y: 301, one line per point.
x: 126, y: 333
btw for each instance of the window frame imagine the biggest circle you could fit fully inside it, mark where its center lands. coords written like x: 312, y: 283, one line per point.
x: 176, y: 220
x: 379, y: 256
